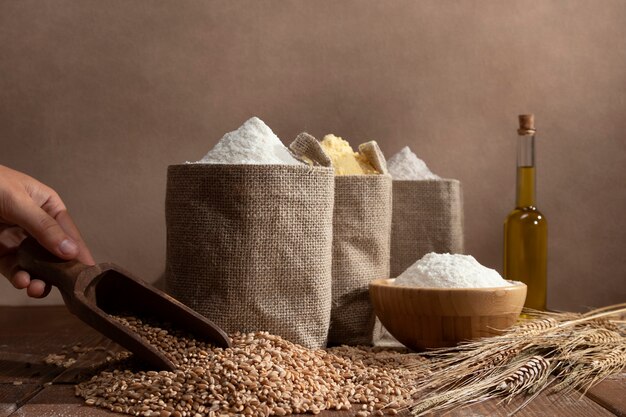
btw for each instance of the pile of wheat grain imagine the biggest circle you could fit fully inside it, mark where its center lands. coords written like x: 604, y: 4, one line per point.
x: 260, y: 375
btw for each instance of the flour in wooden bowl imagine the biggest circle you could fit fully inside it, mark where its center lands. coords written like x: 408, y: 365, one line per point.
x: 444, y: 270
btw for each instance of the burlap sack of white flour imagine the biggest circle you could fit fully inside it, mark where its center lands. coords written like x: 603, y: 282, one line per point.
x: 361, y: 239
x: 249, y: 246
x: 427, y: 217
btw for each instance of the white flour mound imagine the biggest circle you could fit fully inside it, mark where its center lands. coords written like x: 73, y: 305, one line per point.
x: 253, y: 143
x: 450, y: 271
x: 405, y: 165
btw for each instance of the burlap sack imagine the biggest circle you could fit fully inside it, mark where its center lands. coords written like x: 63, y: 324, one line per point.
x: 361, y: 238
x: 249, y: 246
x: 427, y: 217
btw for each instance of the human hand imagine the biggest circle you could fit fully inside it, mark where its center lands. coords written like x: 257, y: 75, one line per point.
x: 28, y: 207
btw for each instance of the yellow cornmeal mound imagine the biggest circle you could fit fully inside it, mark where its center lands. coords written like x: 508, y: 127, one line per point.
x: 344, y: 159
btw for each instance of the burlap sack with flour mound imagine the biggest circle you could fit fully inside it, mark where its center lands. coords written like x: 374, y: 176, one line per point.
x: 361, y: 239
x: 427, y: 217
x: 249, y: 246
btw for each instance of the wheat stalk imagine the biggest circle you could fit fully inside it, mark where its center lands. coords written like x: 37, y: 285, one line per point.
x: 614, y: 308
x: 529, y: 376
x: 578, y: 350
x: 590, y: 367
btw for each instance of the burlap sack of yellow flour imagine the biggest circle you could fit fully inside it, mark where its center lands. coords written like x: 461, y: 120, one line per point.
x: 427, y: 217
x: 249, y: 246
x: 361, y: 239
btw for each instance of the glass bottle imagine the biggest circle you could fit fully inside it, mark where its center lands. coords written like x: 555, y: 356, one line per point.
x: 525, y: 228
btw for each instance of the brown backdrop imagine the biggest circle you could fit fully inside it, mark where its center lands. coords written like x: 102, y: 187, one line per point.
x: 97, y: 98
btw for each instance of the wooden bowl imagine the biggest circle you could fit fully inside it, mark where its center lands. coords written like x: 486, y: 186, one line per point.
x: 422, y: 318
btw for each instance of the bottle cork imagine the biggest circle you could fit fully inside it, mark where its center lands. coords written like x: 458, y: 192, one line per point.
x: 526, y: 124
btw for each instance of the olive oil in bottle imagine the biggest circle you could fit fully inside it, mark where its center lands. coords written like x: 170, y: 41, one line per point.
x: 525, y: 228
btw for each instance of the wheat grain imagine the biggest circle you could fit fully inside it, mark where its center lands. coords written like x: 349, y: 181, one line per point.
x: 260, y: 375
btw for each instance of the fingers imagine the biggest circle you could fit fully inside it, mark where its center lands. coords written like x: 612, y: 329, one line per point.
x: 68, y: 225
x: 10, y: 238
x: 44, y: 228
x: 20, y: 280
x: 37, y: 289
x: 38, y: 210
x: 52, y: 204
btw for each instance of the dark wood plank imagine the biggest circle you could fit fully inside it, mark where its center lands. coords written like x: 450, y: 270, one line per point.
x: 611, y: 394
x: 12, y: 396
x: 90, y: 363
x: 26, y: 368
x: 59, y: 400
x: 40, y: 330
x: 29, y: 334
x: 25, y: 320
x: 570, y: 405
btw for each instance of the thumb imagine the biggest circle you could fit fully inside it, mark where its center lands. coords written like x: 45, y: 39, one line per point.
x: 45, y: 229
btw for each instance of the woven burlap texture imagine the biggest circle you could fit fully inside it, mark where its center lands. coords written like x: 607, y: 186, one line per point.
x: 249, y: 246
x: 427, y: 217
x: 372, y: 152
x: 361, y: 244
x: 306, y: 148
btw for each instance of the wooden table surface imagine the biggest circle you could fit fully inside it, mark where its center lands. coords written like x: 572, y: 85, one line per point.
x: 30, y: 387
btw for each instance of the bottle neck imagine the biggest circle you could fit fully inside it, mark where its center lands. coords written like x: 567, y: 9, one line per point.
x: 525, y: 196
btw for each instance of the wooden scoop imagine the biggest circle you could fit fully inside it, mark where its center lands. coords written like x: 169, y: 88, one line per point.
x: 93, y: 292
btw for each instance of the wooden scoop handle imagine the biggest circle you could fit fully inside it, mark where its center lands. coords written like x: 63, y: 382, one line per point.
x: 37, y: 261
